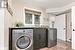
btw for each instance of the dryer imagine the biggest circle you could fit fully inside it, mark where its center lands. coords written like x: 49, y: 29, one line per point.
x: 21, y: 39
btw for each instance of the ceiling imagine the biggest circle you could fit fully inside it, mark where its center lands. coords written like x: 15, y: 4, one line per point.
x: 47, y: 3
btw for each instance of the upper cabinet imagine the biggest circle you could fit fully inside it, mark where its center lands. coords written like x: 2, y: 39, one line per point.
x: 32, y: 17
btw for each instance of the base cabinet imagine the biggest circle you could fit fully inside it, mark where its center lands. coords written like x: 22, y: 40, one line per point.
x: 52, y: 37
x: 40, y: 39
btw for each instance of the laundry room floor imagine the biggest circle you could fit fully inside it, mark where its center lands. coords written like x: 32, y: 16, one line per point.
x: 60, y: 46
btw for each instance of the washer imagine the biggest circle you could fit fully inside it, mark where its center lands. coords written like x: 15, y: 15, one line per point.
x: 22, y: 39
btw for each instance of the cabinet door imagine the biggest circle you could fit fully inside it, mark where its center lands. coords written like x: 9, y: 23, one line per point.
x: 52, y: 37
x: 39, y: 38
x: 36, y: 42
x: 42, y: 39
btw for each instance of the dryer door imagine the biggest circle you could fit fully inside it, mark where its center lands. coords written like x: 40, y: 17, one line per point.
x: 23, y: 42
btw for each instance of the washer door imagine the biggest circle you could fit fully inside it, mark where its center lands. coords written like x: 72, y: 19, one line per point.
x: 23, y: 42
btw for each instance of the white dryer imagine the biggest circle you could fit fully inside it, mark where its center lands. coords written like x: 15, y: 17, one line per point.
x: 22, y: 39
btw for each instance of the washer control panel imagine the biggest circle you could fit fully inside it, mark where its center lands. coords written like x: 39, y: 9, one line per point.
x: 23, y: 31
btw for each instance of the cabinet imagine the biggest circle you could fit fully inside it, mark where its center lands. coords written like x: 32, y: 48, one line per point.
x: 52, y: 37
x: 39, y: 38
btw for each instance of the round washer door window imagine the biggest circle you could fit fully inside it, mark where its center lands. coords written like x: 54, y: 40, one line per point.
x: 23, y: 42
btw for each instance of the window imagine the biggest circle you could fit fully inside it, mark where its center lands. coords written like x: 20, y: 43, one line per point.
x: 32, y: 17
x: 28, y: 18
x: 37, y: 19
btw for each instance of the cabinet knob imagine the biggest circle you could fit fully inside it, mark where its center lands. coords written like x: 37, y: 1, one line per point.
x: 73, y: 29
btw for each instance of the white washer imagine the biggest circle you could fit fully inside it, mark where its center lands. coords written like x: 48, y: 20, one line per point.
x: 22, y: 39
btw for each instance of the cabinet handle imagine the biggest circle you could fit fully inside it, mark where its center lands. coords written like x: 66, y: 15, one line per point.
x: 73, y: 29
x: 39, y: 37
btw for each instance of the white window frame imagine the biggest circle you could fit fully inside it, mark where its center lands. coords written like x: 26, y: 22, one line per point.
x: 33, y: 19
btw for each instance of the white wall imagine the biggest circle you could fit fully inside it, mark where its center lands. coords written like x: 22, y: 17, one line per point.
x: 19, y: 12
x: 51, y: 18
x: 8, y: 19
x: 73, y: 27
x: 1, y: 29
x: 5, y: 22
